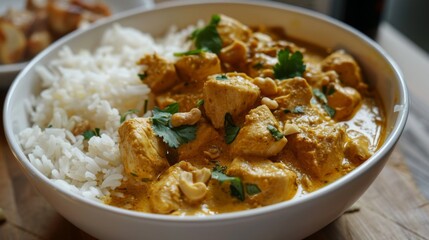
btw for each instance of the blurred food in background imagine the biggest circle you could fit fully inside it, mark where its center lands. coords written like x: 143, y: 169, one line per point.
x: 25, y: 32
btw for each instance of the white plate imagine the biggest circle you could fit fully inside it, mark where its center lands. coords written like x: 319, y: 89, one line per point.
x: 8, y: 72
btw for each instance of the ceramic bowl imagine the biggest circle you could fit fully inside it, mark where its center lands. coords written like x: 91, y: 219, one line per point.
x: 294, y: 219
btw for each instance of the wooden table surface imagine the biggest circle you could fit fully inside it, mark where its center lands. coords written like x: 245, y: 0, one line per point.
x: 392, y: 208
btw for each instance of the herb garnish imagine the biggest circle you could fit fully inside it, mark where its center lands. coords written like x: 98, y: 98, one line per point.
x: 258, y: 65
x: 231, y: 130
x: 277, y: 135
x: 236, y: 186
x: 221, y: 77
x: 142, y: 76
x: 328, y: 91
x: 331, y: 112
x: 252, y: 189
x: 172, y: 136
x: 289, y: 65
x: 124, y: 116
x: 206, y: 39
x: 321, y: 97
x: 298, y: 110
x: 88, y: 134
x: 190, y: 52
x: 200, y: 102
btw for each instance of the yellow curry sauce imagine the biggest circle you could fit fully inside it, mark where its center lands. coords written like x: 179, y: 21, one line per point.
x: 268, y: 128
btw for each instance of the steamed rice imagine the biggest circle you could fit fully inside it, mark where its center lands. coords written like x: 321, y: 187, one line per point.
x: 97, y: 87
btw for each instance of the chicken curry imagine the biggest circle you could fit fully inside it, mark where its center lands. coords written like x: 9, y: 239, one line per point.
x: 247, y: 118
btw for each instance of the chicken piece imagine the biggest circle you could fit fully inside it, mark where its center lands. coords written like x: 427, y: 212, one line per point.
x: 234, y: 56
x: 205, y: 135
x: 345, y: 101
x: 293, y: 92
x: 187, y: 94
x: 96, y: 7
x: 357, y: 150
x: 37, y: 42
x: 142, y: 153
x: 180, y: 184
x: 197, y: 67
x: 228, y: 93
x: 22, y: 19
x: 12, y: 43
x: 230, y: 29
x: 255, y: 138
x: 160, y: 75
x: 63, y: 17
x: 275, y: 181
x: 348, y: 70
x: 319, y: 149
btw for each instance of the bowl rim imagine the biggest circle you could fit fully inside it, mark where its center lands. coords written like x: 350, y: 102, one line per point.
x: 384, y: 150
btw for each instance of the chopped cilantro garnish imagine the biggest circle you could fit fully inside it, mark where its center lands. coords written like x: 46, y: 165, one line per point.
x: 298, y: 110
x: 331, y: 112
x: 200, y: 102
x: 258, y: 65
x: 221, y: 77
x: 252, y: 189
x: 124, y: 116
x: 289, y: 65
x: 172, y: 136
x: 190, y: 52
x: 207, y: 38
x: 88, y: 134
x: 328, y: 91
x: 236, y: 186
x: 275, y: 132
x: 142, y: 76
x: 319, y: 95
x: 231, y: 130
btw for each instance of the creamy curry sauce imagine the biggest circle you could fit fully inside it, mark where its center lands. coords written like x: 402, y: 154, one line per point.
x: 295, y: 135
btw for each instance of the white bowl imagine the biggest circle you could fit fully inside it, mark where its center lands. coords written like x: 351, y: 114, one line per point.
x: 9, y: 71
x: 293, y: 219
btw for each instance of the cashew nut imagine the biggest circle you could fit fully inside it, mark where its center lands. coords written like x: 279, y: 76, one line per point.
x: 186, y: 118
x: 290, y: 128
x: 266, y: 85
x: 193, y: 191
x: 213, y: 152
x: 270, y: 103
x: 202, y: 175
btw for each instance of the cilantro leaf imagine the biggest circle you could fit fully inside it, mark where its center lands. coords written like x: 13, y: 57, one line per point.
x: 277, y: 135
x: 221, y: 77
x: 124, y: 116
x: 142, y: 76
x: 88, y: 134
x: 252, y: 189
x: 319, y: 95
x: 172, y: 136
x: 289, y: 65
x: 231, y: 130
x: 236, y: 186
x: 200, y: 102
x: 298, y: 110
x: 331, y: 112
x: 190, y: 52
x: 206, y: 39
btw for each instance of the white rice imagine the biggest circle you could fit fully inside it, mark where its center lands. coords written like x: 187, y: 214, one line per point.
x: 95, y: 86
